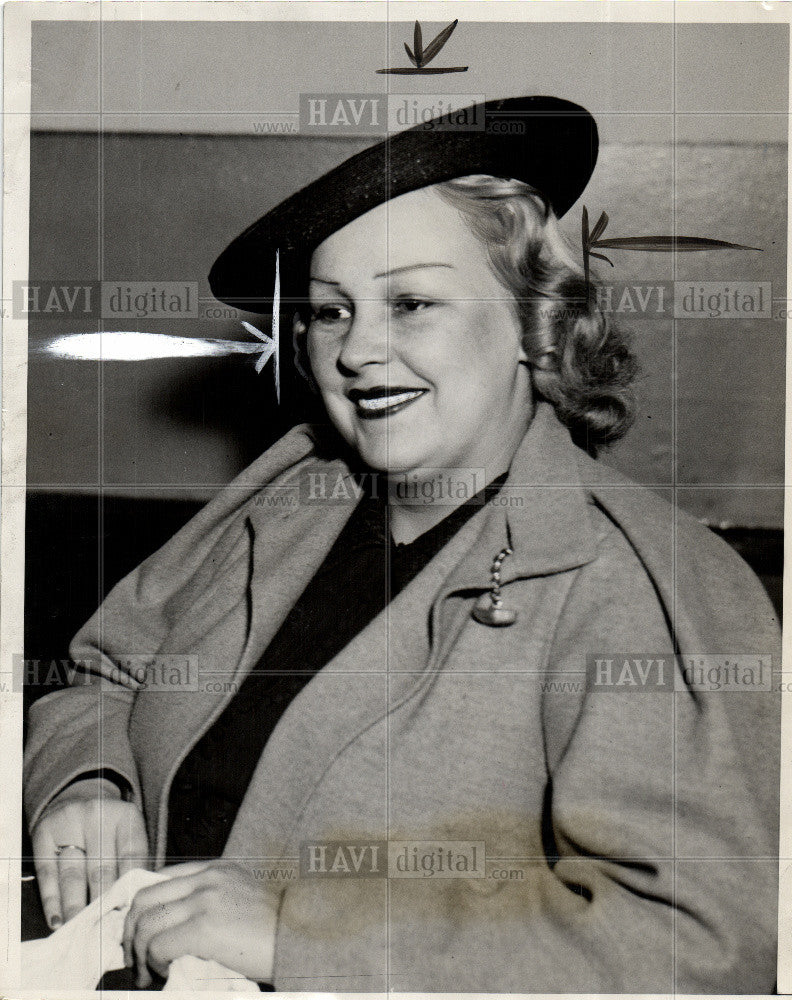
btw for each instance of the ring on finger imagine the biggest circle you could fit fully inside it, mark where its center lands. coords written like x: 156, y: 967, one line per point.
x: 60, y: 848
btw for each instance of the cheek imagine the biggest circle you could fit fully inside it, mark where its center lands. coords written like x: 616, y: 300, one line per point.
x: 481, y: 349
x: 321, y: 358
x: 499, y: 346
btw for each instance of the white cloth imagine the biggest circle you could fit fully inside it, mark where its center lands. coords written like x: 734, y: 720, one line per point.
x: 78, y: 954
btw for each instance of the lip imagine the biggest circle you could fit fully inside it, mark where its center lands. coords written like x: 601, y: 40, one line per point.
x: 370, y: 404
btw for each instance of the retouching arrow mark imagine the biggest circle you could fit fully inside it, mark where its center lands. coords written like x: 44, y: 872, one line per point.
x: 265, y: 350
x: 139, y: 345
x: 271, y: 344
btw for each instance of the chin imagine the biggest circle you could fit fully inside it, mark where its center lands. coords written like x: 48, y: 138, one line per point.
x: 392, y: 460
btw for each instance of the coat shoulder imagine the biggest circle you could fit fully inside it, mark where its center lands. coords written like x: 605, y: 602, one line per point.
x: 641, y: 510
x: 683, y: 556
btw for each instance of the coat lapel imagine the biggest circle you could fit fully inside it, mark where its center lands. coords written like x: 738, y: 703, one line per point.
x: 290, y: 542
x: 286, y: 544
x: 541, y: 514
x: 383, y: 666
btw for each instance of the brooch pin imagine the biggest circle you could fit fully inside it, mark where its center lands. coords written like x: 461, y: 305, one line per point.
x: 489, y: 609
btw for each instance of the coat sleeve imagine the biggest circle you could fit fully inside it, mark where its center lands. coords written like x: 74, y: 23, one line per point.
x: 663, y: 802
x: 84, y: 728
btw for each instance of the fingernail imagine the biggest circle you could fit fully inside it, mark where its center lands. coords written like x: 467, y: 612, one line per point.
x: 55, y: 922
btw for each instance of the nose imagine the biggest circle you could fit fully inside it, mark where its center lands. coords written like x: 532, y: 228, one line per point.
x: 367, y: 341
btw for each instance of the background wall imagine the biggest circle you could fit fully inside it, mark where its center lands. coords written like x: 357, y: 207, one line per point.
x: 145, y: 164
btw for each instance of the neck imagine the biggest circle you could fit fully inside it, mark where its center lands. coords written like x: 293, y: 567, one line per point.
x: 417, y: 503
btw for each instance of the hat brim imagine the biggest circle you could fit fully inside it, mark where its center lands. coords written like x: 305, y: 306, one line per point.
x: 546, y: 142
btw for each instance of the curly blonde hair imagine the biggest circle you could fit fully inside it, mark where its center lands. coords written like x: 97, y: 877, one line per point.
x: 580, y: 362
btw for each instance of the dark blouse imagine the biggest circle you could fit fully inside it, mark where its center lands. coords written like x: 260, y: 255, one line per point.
x: 361, y: 573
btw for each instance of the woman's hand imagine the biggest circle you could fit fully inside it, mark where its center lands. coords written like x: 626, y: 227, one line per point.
x: 107, y: 838
x: 214, y: 910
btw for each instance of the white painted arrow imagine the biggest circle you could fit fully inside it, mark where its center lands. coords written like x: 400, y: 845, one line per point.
x: 137, y: 345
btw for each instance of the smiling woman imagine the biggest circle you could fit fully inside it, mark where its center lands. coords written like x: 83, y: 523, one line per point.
x: 459, y: 339
x: 420, y: 364
x: 423, y: 660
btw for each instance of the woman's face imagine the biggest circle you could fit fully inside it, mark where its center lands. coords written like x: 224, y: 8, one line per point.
x: 414, y: 343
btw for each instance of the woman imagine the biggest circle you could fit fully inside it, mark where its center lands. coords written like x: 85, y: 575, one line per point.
x: 428, y: 711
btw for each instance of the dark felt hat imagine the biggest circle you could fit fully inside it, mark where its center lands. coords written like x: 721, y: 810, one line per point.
x: 546, y: 142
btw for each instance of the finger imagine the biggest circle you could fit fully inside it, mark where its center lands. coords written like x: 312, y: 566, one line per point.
x: 187, y: 938
x: 160, y: 894
x: 73, y: 878
x: 132, y: 849
x: 47, y: 874
x: 101, y: 863
x: 153, y: 922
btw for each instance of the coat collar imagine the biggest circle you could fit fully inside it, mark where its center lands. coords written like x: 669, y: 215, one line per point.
x: 542, y: 511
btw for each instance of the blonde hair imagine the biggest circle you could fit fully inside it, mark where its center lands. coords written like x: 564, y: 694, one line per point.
x: 579, y: 361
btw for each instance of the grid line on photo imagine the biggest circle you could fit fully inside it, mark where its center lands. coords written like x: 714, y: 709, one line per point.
x: 106, y: 488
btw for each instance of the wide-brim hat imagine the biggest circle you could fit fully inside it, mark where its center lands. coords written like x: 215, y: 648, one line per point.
x: 546, y: 142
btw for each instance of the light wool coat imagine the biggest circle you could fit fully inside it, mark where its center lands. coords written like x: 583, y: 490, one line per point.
x: 644, y: 822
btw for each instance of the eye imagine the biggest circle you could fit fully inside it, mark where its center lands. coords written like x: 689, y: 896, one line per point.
x: 407, y: 305
x: 330, y: 314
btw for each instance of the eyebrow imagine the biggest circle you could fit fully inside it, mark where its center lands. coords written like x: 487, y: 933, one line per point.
x: 384, y: 274
x: 409, y: 267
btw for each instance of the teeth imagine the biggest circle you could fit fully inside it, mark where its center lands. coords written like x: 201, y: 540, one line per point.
x: 383, y: 402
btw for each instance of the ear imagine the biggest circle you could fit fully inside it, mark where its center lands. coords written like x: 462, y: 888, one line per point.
x: 299, y: 342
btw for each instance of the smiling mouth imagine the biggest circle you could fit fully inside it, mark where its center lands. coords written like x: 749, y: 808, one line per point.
x: 371, y: 404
